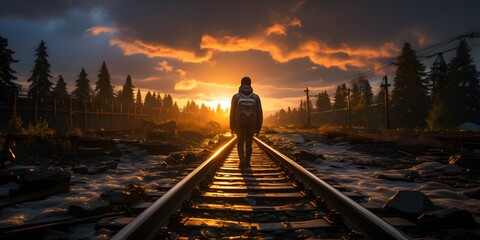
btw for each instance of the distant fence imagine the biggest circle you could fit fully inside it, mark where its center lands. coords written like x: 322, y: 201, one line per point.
x: 371, y: 116
x: 65, y: 114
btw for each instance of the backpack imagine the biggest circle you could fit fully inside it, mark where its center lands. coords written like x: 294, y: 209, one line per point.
x: 246, y: 114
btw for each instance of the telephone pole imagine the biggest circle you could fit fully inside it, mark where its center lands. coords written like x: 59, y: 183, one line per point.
x: 385, y: 86
x: 349, y: 109
x: 308, y: 107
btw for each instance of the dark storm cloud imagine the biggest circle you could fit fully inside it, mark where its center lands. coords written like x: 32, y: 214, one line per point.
x: 373, y: 22
x: 182, y: 23
x: 40, y: 10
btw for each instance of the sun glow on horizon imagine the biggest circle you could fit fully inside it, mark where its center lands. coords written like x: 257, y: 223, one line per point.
x: 224, y: 104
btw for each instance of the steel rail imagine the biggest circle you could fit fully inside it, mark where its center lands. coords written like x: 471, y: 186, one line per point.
x: 149, y: 222
x: 365, y: 221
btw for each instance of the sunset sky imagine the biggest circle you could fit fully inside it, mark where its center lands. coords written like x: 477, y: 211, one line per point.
x: 201, y: 49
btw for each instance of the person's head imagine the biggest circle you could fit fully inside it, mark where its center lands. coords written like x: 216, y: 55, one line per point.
x: 246, y: 81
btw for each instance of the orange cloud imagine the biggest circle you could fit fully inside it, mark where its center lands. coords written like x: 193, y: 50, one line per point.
x: 318, y: 52
x: 186, y: 85
x: 158, y: 50
x: 181, y: 72
x: 276, y: 29
x: 164, y: 67
x: 97, y: 30
x: 281, y: 29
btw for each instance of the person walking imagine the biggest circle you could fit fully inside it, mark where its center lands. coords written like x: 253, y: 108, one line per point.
x: 246, y: 118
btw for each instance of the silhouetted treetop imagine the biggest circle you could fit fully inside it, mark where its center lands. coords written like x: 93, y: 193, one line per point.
x: 40, y: 85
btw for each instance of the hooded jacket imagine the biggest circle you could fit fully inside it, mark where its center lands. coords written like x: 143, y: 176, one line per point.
x: 245, y: 90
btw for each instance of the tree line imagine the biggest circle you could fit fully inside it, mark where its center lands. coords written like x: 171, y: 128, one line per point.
x: 443, y: 98
x: 102, y: 97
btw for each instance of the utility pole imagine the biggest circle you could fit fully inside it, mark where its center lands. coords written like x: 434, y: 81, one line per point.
x: 349, y: 109
x: 385, y: 86
x: 308, y: 107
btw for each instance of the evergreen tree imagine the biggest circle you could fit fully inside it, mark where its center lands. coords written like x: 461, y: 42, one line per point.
x: 463, y: 90
x: 6, y: 59
x: 159, y: 101
x: 340, y: 98
x: 366, y: 93
x: 127, y: 92
x: 355, y: 94
x: 148, y: 100
x: 175, y: 111
x: 138, y: 99
x: 168, y: 102
x: 83, y: 90
x: 40, y: 85
x: 219, y: 110
x: 60, y: 90
x: 104, y: 90
x: 409, y: 96
x: 438, y: 117
x: 361, y: 98
x: 323, y: 102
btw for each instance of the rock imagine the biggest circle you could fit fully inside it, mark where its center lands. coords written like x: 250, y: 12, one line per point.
x: 412, y: 203
x: 181, y: 157
x: 80, y: 169
x: 128, y: 196
x: 308, y: 156
x: 89, y: 209
x: 103, y: 167
x: 447, y: 218
x: 391, y: 176
x: 213, y: 125
x: 98, y: 146
x: 208, y: 233
x: 468, y: 161
x: 304, y: 233
x: 45, y: 178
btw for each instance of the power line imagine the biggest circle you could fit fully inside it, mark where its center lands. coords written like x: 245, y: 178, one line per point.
x: 474, y: 33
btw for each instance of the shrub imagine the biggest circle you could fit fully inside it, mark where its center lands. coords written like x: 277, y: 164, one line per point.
x: 40, y: 129
x: 15, y: 125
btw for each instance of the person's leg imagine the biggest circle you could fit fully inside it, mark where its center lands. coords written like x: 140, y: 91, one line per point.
x: 240, y: 147
x: 248, y: 147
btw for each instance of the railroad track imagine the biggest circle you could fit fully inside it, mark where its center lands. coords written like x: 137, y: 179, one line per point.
x: 274, y: 199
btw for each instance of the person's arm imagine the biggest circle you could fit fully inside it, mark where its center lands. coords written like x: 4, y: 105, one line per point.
x: 233, y: 110
x: 259, y: 116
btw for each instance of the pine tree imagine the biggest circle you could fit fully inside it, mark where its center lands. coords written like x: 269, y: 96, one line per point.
x: 463, y: 88
x: 40, y: 85
x: 60, y: 90
x: 148, y: 100
x: 366, y: 93
x: 83, y: 90
x: 168, y: 102
x: 6, y: 59
x: 138, y: 99
x: 104, y: 90
x: 340, y: 98
x: 438, y: 117
x: 409, y: 96
x: 159, y: 101
x: 127, y: 92
x: 355, y: 94
x: 219, y: 110
x: 323, y: 102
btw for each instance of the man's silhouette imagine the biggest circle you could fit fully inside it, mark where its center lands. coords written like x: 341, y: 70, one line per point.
x: 246, y: 118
